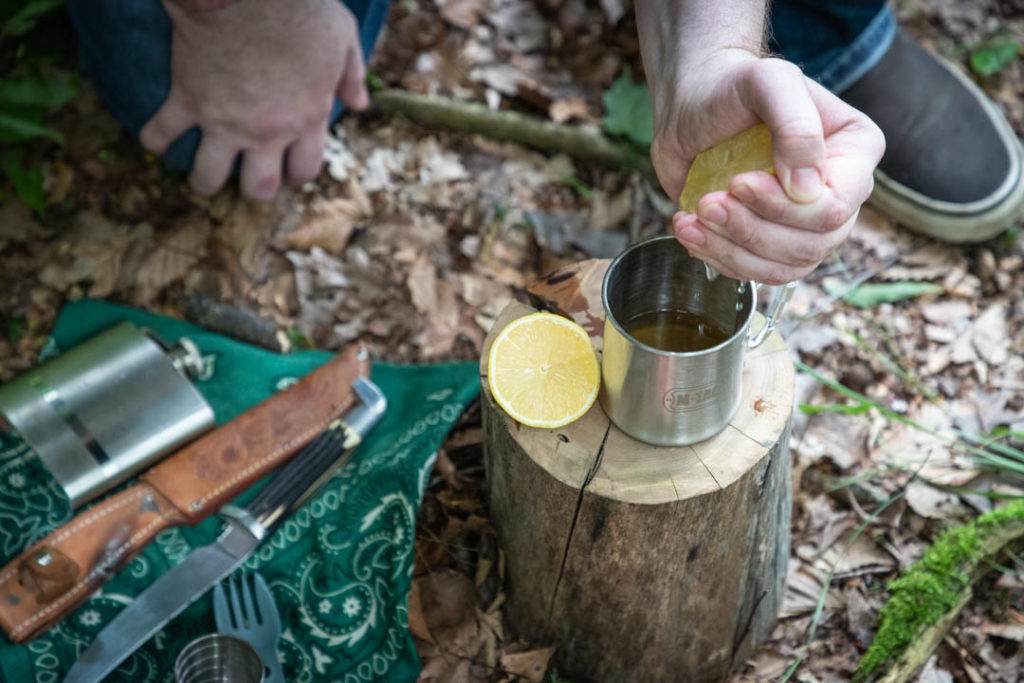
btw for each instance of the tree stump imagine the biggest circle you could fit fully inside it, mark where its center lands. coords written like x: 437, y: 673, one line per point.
x: 642, y: 563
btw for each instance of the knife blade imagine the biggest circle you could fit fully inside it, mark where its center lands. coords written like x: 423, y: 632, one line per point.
x: 205, y: 567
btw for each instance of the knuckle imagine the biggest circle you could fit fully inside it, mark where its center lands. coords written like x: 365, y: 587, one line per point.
x: 835, y: 215
x: 271, y: 128
x: 808, y: 253
x: 773, y: 208
x: 741, y: 230
x: 777, y: 276
x: 799, y: 133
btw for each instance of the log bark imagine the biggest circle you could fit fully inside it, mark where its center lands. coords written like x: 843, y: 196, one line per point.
x: 638, y: 562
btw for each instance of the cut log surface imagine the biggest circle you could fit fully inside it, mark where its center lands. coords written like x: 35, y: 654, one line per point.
x: 642, y: 563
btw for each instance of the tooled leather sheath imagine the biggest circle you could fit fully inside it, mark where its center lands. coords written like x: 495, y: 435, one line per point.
x: 57, y: 574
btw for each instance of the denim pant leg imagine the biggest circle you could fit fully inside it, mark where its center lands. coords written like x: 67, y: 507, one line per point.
x: 834, y: 42
x: 125, y: 50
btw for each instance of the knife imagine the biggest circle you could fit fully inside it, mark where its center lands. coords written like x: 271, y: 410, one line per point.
x: 204, y: 567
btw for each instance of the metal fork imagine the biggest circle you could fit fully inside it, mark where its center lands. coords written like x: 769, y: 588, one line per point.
x: 248, y: 612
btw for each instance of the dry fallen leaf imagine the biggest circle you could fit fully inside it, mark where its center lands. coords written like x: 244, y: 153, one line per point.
x: 417, y: 622
x: 530, y: 665
x: 177, y: 250
x: 446, y: 598
x: 464, y: 13
x: 331, y: 222
x: 568, y: 108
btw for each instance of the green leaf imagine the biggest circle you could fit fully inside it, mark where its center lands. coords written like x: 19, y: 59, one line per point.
x: 15, y: 330
x: 18, y: 128
x: 994, y: 57
x: 28, y: 16
x: 578, y: 186
x: 374, y: 82
x: 867, y: 295
x: 46, y: 94
x: 28, y: 182
x: 627, y: 107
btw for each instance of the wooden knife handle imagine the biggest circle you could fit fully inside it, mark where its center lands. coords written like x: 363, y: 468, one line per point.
x: 57, y: 574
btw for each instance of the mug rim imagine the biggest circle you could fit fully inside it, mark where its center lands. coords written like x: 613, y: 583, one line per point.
x: 609, y: 316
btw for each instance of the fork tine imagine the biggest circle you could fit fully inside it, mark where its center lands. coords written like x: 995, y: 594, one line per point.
x: 265, y: 603
x: 221, y: 613
x: 236, y: 604
x: 250, y: 607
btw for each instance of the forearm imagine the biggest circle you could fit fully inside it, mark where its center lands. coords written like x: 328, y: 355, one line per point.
x: 680, y: 34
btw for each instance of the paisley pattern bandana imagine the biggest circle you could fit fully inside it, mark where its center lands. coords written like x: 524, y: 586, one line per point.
x: 340, y: 568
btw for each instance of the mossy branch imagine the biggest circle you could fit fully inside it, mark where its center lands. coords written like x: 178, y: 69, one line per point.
x: 929, y: 595
x: 511, y: 126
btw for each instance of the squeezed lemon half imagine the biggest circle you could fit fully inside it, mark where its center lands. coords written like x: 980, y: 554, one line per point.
x: 712, y: 169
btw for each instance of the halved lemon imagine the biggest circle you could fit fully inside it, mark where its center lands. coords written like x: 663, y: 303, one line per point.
x: 543, y: 371
x: 712, y: 169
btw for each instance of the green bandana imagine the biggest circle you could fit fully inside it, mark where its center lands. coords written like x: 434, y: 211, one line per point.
x: 340, y: 568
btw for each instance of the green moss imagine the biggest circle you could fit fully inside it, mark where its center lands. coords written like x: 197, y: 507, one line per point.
x: 930, y: 588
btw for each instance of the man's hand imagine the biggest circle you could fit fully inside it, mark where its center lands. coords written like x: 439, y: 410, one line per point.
x: 773, y: 229
x: 258, y: 78
x: 708, y: 83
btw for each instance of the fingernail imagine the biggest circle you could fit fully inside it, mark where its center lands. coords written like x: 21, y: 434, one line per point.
x: 714, y: 213
x: 691, y: 235
x: 805, y: 184
x: 743, y: 191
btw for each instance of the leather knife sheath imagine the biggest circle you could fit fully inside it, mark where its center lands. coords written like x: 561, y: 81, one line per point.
x: 53, y: 577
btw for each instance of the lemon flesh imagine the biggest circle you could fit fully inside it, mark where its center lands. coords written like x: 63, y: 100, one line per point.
x: 712, y: 169
x: 543, y: 371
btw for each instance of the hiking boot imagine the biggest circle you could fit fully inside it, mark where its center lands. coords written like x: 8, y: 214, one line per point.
x: 952, y: 164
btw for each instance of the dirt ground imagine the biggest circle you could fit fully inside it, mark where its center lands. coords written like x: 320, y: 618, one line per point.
x: 414, y: 239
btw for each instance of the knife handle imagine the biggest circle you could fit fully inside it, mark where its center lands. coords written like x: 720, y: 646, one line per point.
x: 300, y: 478
x: 57, y: 574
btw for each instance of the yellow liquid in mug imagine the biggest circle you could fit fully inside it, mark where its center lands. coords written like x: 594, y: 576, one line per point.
x: 677, y: 331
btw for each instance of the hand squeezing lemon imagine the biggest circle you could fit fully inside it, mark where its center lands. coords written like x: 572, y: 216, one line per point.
x: 542, y: 369
x: 712, y: 169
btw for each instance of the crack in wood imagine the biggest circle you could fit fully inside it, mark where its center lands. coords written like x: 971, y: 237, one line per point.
x: 710, y: 473
x: 591, y: 473
x: 759, y: 443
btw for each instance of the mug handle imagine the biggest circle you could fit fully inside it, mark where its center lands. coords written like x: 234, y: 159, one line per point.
x: 779, y: 298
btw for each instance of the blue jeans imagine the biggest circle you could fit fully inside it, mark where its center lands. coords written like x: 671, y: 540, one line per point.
x: 126, y: 49
x: 834, y: 42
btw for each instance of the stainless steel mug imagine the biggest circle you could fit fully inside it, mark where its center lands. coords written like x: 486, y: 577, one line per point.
x: 106, y: 409
x: 672, y: 398
x: 218, y: 658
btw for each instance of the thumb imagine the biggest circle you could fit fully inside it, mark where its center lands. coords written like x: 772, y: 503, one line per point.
x: 779, y: 95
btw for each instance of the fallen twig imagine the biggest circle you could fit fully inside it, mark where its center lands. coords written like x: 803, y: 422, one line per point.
x: 234, y: 322
x: 511, y: 126
x: 928, y: 596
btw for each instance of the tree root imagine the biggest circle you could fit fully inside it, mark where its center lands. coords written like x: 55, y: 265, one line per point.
x: 511, y: 126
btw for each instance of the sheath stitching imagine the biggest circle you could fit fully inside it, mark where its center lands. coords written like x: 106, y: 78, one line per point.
x: 75, y: 528
x: 284, y: 448
x: 112, y: 560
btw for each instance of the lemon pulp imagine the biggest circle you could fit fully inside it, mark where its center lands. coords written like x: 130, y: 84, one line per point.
x: 543, y: 371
